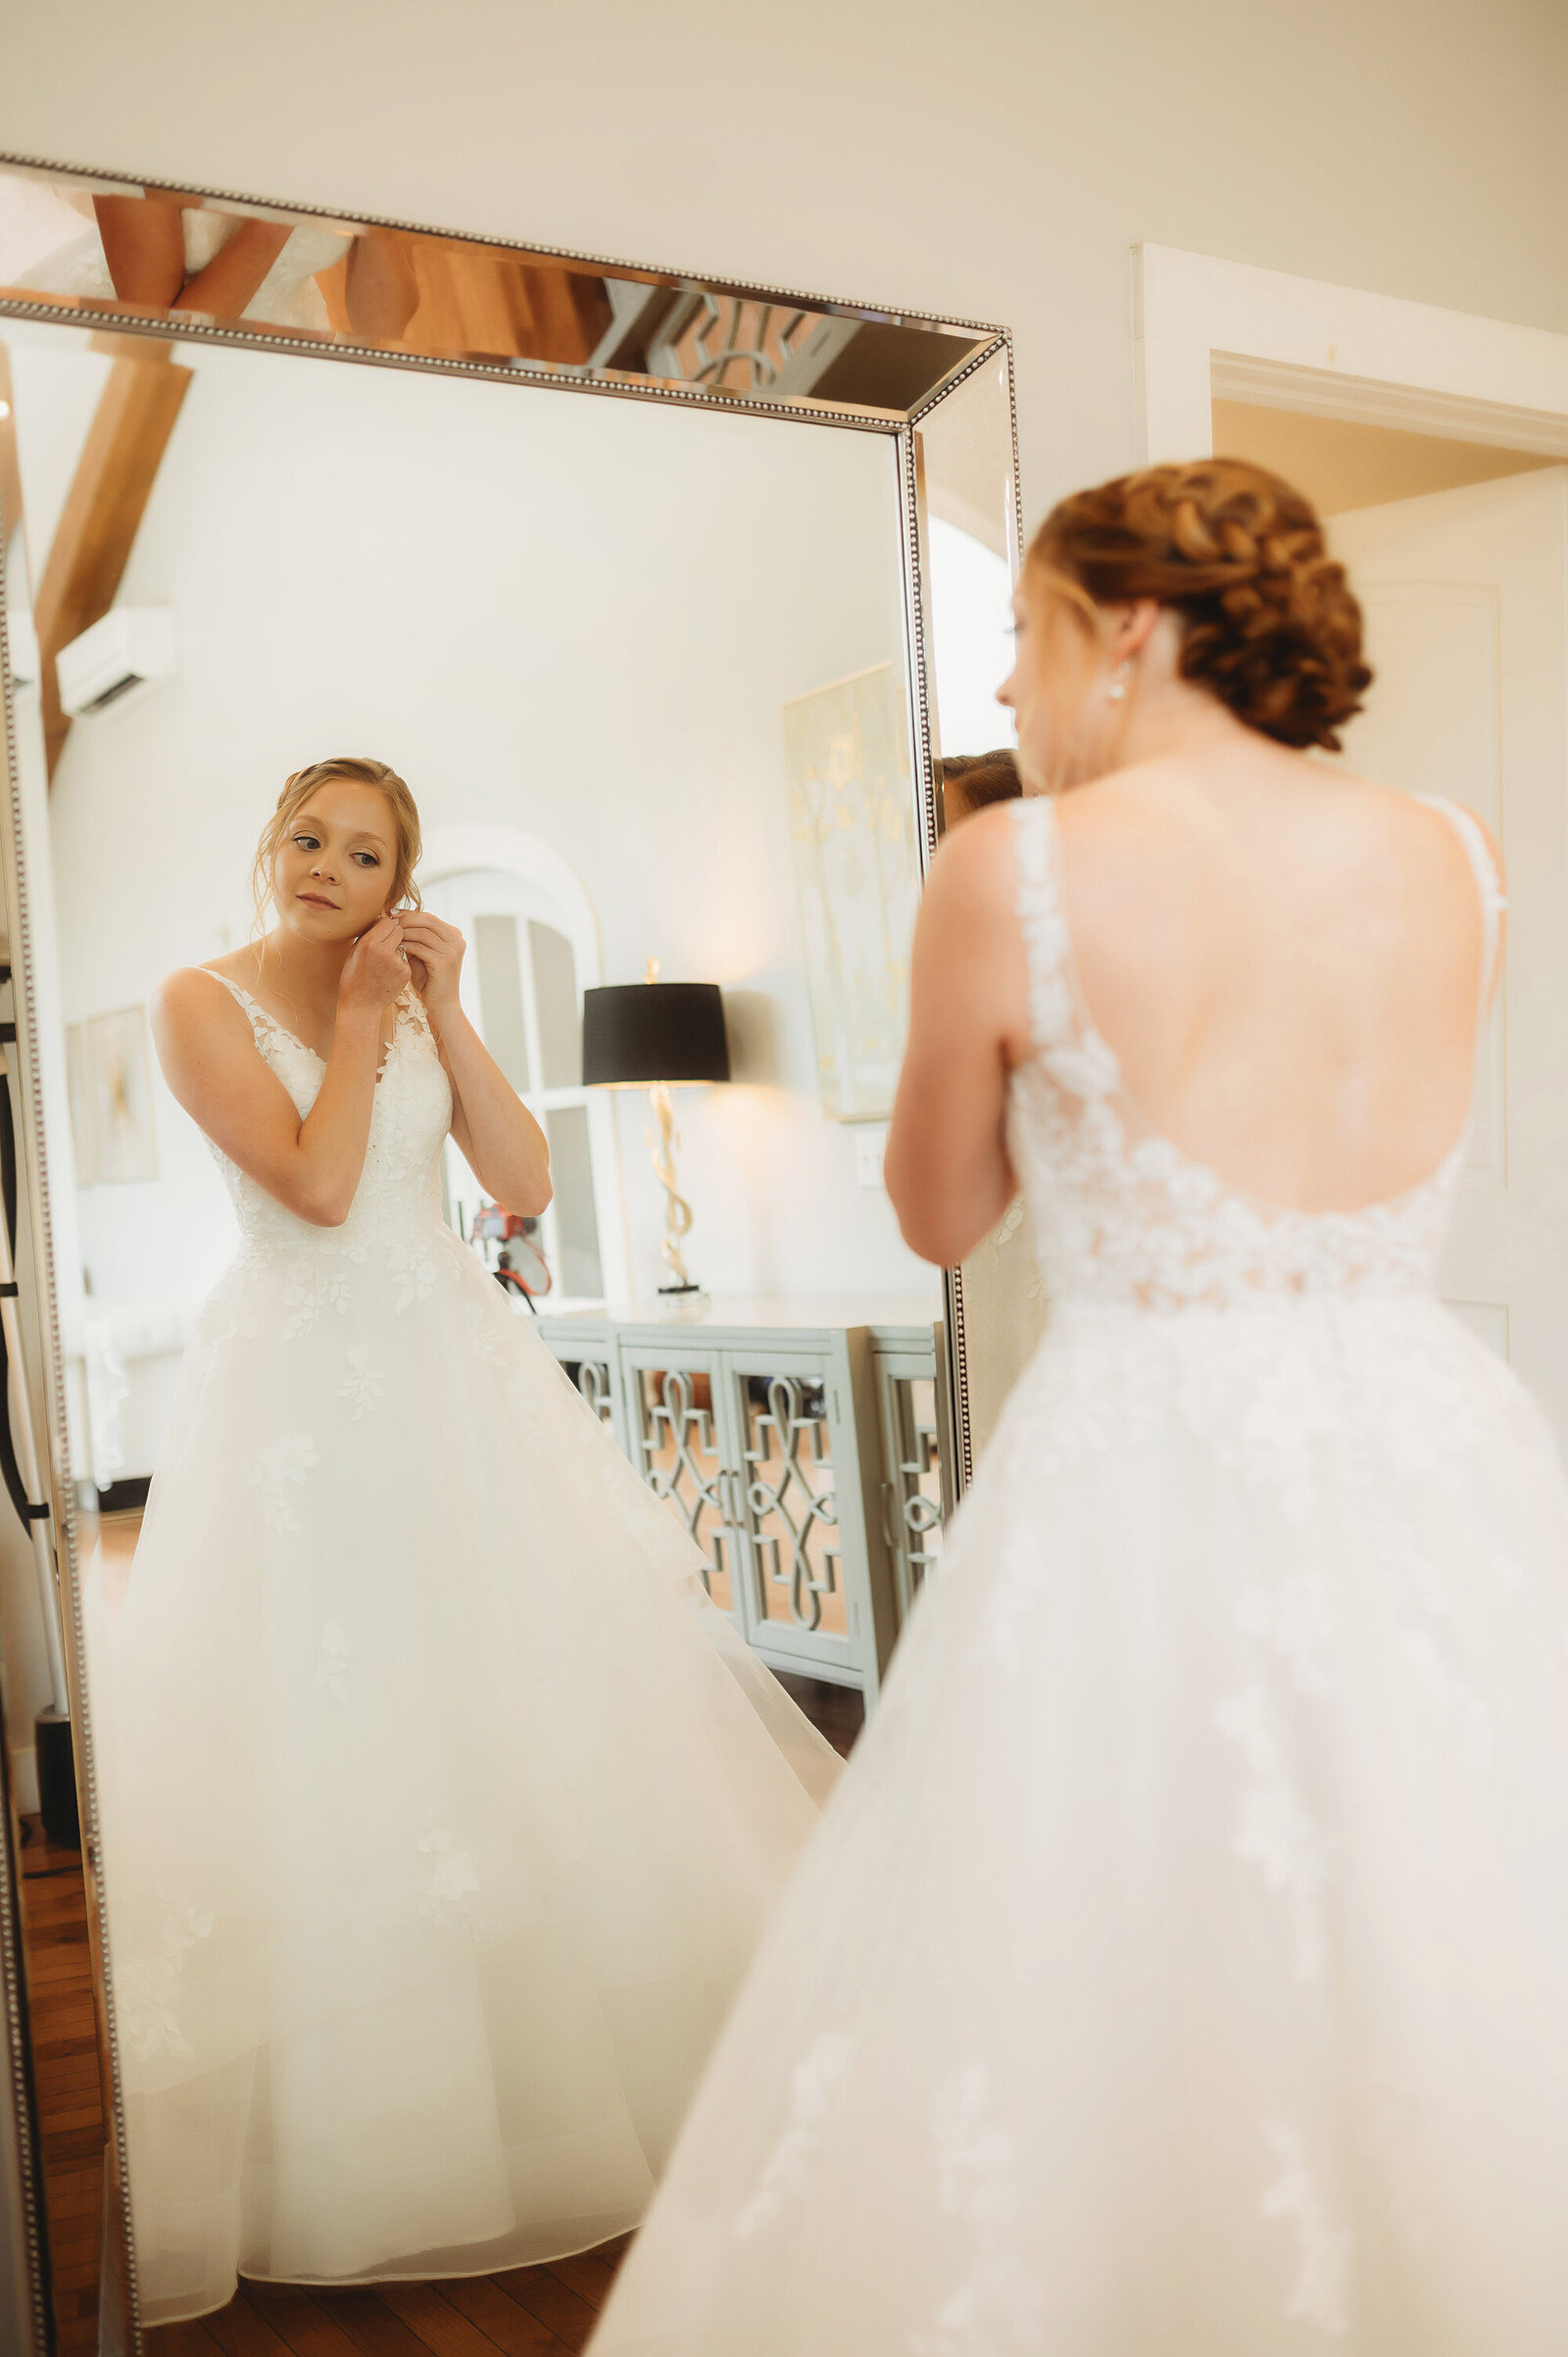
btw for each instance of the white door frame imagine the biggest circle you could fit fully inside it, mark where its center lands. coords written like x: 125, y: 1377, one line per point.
x: 1204, y: 328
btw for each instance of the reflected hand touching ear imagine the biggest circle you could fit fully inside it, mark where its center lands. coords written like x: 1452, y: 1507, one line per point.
x: 435, y: 957
x: 375, y: 973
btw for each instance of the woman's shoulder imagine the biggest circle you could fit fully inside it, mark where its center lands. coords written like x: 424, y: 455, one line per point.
x: 977, y: 860
x: 196, y: 1000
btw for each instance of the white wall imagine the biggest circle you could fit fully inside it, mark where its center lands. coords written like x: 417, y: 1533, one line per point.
x: 577, y: 617
x: 997, y: 160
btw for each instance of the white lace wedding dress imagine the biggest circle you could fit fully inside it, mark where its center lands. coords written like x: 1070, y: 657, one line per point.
x: 442, y: 1809
x: 1182, y: 1967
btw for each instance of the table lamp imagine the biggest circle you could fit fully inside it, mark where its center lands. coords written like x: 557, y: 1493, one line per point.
x: 659, y: 1036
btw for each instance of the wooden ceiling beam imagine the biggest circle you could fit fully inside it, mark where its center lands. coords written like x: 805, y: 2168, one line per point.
x: 98, y: 525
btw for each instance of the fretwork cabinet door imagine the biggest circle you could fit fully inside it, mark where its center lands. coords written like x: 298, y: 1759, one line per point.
x: 682, y: 1437
x: 815, y: 1584
x: 590, y: 1357
x: 914, y: 1488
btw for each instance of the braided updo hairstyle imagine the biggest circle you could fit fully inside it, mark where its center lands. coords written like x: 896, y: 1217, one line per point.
x: 1271, y: 628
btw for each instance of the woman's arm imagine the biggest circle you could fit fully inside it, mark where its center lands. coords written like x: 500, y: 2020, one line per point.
x: 207, y: 1051
x: 497, y: 1135
x: 947, y: 1167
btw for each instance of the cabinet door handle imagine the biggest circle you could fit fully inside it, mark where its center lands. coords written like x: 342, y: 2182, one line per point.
x: 888, y: 1540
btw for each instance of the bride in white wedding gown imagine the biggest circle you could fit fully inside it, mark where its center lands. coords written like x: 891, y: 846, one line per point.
x: 1181, y: 1969
x: 442, y: 1811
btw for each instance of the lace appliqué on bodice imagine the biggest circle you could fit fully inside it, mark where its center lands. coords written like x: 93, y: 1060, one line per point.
x: 1121, y: 1214
x: 399, y: 1194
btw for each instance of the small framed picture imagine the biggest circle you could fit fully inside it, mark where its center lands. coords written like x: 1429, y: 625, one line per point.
x: 857, y: 875
x: 118, y: 1098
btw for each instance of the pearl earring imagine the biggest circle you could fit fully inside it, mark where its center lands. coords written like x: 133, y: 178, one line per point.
x: 1117, y: 687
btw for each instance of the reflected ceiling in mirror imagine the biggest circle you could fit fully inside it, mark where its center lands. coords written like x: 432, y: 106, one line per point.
x: 155, y: 259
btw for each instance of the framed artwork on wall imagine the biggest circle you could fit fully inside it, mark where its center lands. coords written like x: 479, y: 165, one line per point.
x: 118, y: 1098
x: 857, y: 879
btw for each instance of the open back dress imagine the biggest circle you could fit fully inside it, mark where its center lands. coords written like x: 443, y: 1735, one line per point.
x: 1181, y: 1969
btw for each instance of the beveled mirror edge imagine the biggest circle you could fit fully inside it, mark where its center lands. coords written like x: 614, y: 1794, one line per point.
x: 954, y: 1373
x: 899, y: 427
x: 622, y: 385
x: 650, y: 273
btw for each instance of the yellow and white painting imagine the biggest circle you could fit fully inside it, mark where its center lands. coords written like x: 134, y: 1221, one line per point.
x: 121, y: 1139
x: 857, y: 875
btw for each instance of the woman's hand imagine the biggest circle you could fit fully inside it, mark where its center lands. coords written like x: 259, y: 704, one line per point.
x: 376, y: 972
x: 435, y: 957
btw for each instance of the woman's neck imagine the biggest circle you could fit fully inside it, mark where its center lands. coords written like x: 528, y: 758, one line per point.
x: 1174, y: 722
x: 306, y: 972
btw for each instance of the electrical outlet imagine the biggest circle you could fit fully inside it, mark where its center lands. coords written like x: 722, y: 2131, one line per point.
x: 870, y: 1142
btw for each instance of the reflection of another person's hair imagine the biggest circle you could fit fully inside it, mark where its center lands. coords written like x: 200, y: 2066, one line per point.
x: 971, y: 781
x: 355, y: 770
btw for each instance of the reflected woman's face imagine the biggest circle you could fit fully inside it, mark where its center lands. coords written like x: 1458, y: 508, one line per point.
x: 335, y: 866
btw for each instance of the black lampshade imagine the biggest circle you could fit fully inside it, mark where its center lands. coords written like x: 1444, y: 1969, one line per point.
x: 641, y: 1032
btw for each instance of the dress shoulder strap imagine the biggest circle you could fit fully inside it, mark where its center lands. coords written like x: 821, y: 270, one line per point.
x: 1042, y: 920
x: 1489, y: 884
x: 242, y: 997
x: 265, y: 1028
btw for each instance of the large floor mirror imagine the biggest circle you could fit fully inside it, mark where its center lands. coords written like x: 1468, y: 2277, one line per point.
x: 670, y: 600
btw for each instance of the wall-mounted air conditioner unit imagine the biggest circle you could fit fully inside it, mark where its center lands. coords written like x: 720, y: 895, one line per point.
x: 120, y: 659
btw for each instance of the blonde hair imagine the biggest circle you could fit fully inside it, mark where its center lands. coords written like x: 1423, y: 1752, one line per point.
x: 354, y: 770
x: 1269, y: 624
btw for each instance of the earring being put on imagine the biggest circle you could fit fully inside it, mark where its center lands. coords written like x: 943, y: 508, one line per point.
x: 1116, y: 688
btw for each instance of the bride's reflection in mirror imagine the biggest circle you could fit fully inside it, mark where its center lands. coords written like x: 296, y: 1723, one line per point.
x: 443, y: 1811
x: 446, y: 1779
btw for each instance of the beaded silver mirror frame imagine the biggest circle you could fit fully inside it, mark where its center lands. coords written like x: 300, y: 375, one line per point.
x: 547, y: 320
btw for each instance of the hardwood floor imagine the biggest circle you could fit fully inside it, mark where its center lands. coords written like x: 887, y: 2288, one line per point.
x: 524, y: 2312
x: 66, y: 2066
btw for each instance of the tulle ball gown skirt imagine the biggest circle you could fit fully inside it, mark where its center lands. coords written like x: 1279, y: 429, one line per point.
x: 1182, y: 1968
x: 442, y: 1811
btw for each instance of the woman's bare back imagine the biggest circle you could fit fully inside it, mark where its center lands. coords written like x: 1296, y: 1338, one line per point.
x: 1287, y: 963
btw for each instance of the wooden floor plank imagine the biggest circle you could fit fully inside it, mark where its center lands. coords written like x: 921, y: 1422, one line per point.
x: 188, y: 2340
x: 551, y: 2301
x: 434, y: 2320
x: 370, y: 2324
x: 300, y: 2322
x: 240, y: 2332
x: 512, y: 2330
x: 70, y: 2118
x: 587, y: 2275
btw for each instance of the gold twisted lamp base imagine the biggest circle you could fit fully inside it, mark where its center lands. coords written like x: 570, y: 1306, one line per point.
x: 677, y: 1210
